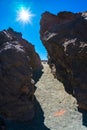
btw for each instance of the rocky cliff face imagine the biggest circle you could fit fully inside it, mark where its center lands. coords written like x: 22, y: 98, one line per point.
x: 65, y: 38
x: 18, y: 63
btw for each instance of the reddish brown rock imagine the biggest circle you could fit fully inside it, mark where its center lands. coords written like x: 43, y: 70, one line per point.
x: 65, y: 38
x: 18, y: 62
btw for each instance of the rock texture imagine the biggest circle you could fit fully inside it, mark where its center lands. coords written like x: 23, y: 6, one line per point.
x: 65, y: 38
x: 18, y: 64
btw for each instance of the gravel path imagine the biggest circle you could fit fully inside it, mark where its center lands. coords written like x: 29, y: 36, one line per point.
x: 56, y: 110
x: 53, y: 99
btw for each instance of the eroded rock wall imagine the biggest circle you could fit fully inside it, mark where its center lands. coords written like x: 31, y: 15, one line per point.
x: 18, y: 62
x: 65, y: 38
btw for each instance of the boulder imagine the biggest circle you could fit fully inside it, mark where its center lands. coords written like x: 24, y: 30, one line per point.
x: 18, y: 62
x: 65, y: 37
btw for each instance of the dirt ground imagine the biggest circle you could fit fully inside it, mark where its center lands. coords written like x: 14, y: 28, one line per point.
x: 60, y: 108
x: 56, y: 110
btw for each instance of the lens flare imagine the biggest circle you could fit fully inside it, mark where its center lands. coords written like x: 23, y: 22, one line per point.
x: 24, y: 15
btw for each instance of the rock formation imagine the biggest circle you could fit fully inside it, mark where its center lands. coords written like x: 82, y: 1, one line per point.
x: 65, y: 38
x: 18, y: 64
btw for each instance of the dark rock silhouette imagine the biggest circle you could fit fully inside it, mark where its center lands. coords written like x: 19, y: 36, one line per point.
x: 36, y: 124
x: 65, y: 38
x: 84, y: 116
x: 18, y: 63
x: 2, y: 124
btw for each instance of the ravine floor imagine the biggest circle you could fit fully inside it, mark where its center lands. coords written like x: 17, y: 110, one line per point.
x: 60, y: 108
x: 56, y: 110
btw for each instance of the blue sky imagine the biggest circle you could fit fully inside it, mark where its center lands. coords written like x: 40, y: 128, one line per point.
x: 8, y: 13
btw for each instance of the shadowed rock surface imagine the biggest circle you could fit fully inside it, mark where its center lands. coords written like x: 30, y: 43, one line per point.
x: 65, y: 38
x: 18, y: 63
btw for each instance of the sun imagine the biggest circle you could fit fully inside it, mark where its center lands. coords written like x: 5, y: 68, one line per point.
x: 24, y: 15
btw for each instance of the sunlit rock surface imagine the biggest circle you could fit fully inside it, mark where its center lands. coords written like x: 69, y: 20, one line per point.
x: 65, y: 38
x: 18, y: 64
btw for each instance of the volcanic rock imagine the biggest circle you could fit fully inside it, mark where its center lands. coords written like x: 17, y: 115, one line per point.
x: 65, y: 38
x: 18, y: 63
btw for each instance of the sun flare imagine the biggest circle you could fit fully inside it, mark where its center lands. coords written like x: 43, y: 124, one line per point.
x: 24, y: 15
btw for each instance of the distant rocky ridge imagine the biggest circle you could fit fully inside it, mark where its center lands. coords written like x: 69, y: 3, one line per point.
x: 19, y: 64
x: 65, y: 38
